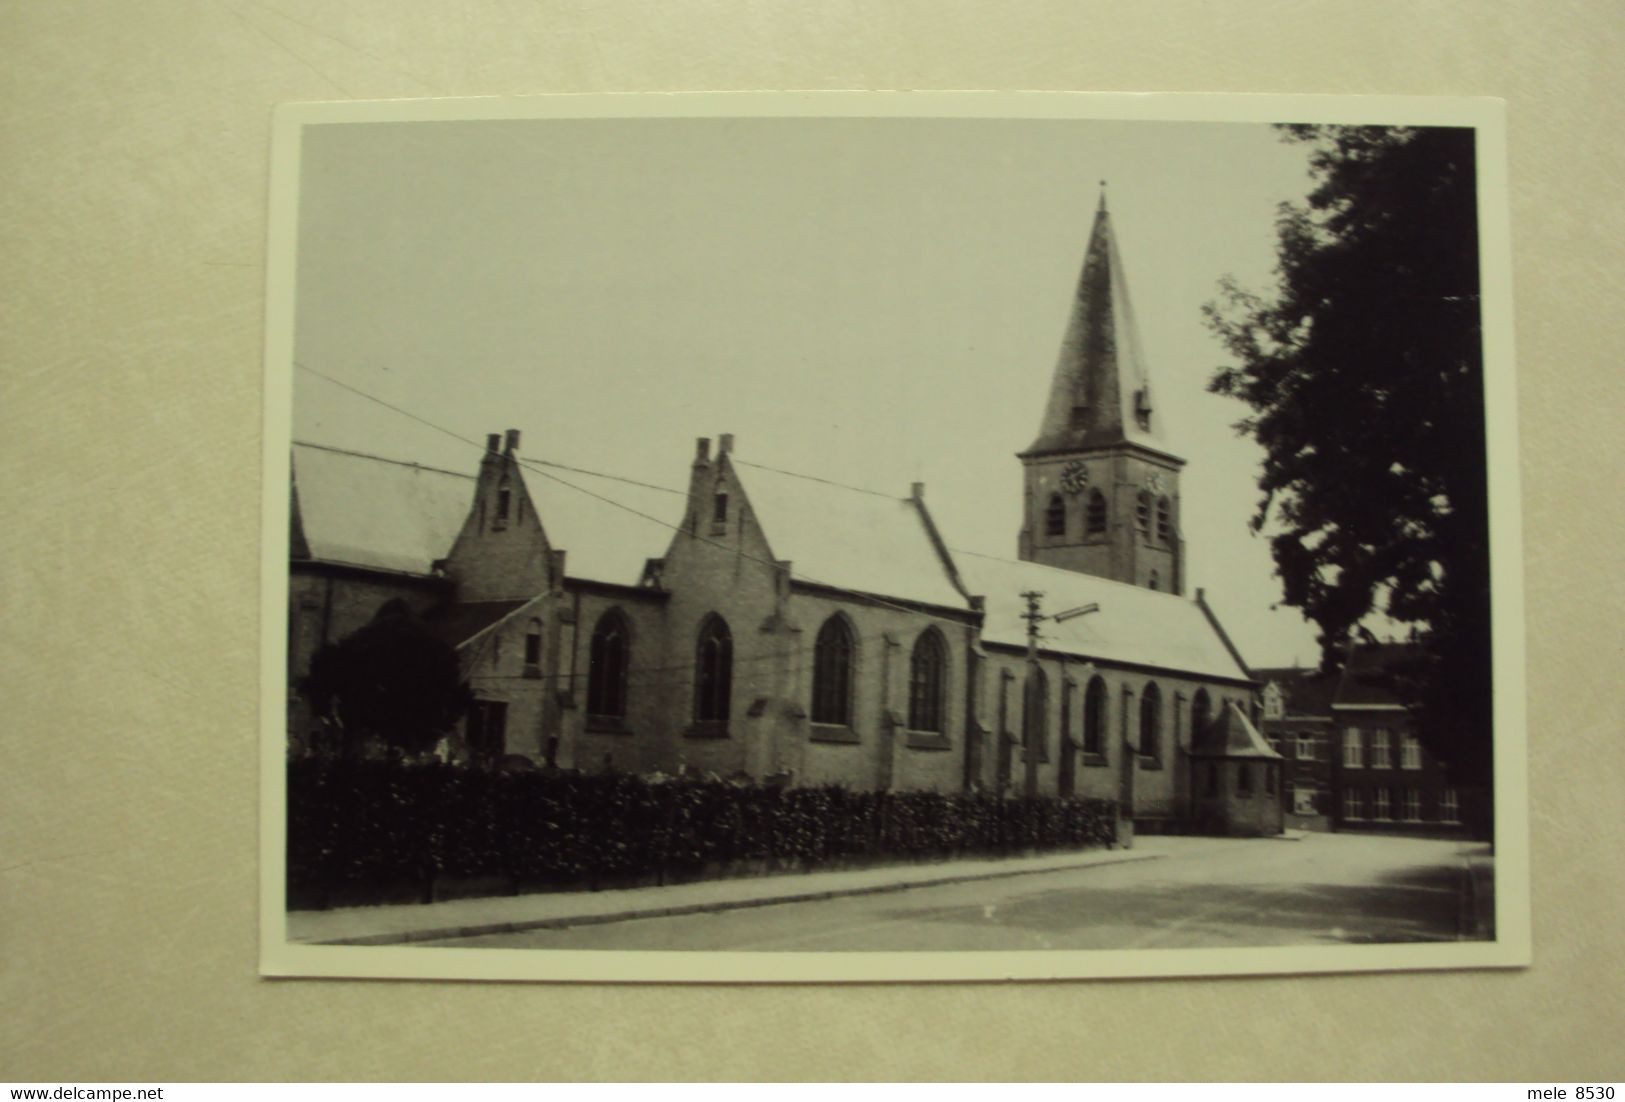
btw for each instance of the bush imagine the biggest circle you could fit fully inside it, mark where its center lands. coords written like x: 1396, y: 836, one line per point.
x: 373, y: 822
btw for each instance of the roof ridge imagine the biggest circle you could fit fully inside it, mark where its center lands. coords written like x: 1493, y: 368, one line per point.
x: 380, y: 458
x: 1075, y: 574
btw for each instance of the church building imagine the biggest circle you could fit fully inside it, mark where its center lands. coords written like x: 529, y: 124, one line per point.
x: 776, y: 626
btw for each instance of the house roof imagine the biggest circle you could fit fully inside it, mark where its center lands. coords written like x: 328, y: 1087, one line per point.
x: 852, y: 539
x: 1368, y: 674
x: 1306, y: 690
x: 381, y: 513
x: 1100, y: 381
x: 1232, y: 735
x: 1135, y: 625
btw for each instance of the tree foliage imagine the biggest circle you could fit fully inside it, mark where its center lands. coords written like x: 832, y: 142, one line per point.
x: 1364, y: 375
x: 390, y: 680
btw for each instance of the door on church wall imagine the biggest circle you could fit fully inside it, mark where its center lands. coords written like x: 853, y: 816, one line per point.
x: 487, y: 732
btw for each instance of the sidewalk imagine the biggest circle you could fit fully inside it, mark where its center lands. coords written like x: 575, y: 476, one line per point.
x: 395, y: 925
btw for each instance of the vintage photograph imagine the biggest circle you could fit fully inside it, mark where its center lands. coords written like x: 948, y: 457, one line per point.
x: 890, y: 537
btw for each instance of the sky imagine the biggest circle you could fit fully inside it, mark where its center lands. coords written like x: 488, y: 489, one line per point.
x: 872, y: 301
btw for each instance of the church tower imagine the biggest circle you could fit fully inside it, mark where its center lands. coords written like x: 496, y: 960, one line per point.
x: 1102, y: 488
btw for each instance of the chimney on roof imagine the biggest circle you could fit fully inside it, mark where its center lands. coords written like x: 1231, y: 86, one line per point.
x: 725, y: 443
x: 511, y: 444
x: 493, y: 441
x: 702, y: 450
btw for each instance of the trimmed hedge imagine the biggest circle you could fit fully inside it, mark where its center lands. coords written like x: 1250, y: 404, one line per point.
x: 376, y: 822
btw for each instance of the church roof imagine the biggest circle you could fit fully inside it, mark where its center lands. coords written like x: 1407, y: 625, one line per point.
x: 851, y: 539
x: 608, y: 528
x: 1232, y: 735
x: 386, y: 514
x: 379, y: 513
x: 1134, y: 625
x: 1101, y: 385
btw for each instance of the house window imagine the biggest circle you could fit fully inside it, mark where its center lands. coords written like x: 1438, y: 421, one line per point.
x: 1095, y: 518
x: 1381, y: 810
x: 533, y: 645
x: 1151, y: 721
x: 832, y: 673
x: 1413, y: 804
x: 1410, y: 752
x: 927, y: 681
x: 1274, y: 705
x: 1351, y: 749
x: 606, y: 668
x: 1094, y: 717
x: 1142, y: 513
x: 1055, y: 516
x: 1306, y: 748
x: 1379, y: 749
x: 1303, y: 800
x: 1449, y: 807
x: 714, y: 671
x: 1352, y: 808
x: 1165, y: 528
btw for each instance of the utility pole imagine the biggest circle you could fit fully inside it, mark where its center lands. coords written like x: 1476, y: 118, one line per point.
x: 1032, y: 719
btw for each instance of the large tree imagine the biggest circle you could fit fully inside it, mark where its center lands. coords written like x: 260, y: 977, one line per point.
x: 391, y: 681
x: 1363, y: 370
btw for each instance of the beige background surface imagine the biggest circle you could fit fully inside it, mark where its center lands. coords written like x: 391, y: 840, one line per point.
x: 134, y: 145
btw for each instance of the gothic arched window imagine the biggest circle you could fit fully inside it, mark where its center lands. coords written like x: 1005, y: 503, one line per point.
x: 1165, y: 526
x: 1094, y: 717
x: 504, y: 504
x: 927, y: 679
x: 606, y: 667
x: 832, y: 673
x: 1201, y: 713
x: 1055, y: 516
x: 1095, y: 519
x: 1151, y: 721
x: 713, y: 683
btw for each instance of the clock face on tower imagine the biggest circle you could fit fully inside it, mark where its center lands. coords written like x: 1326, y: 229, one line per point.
x: 1074, y: 477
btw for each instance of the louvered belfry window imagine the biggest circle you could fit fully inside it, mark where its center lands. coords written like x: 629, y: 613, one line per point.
x: 927, y: 672
x: 1096, y: 520
x: 714, y: 676
x: 832, y: 673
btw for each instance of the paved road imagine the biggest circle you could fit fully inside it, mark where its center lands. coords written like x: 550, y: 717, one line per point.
x: 1202, y: 892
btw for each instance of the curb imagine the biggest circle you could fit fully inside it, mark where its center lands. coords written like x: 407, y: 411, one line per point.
x: 606, y: 917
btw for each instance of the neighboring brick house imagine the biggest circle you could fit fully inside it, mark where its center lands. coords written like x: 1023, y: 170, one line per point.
x: 1296, y: 711
x: 764, y: 624
x: 1383, y: 778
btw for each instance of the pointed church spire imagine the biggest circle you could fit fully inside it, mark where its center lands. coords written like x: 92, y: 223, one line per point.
x: 1101, y: 392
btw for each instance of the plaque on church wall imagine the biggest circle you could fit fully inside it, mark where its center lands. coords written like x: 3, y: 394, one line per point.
x: 856, y: 536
